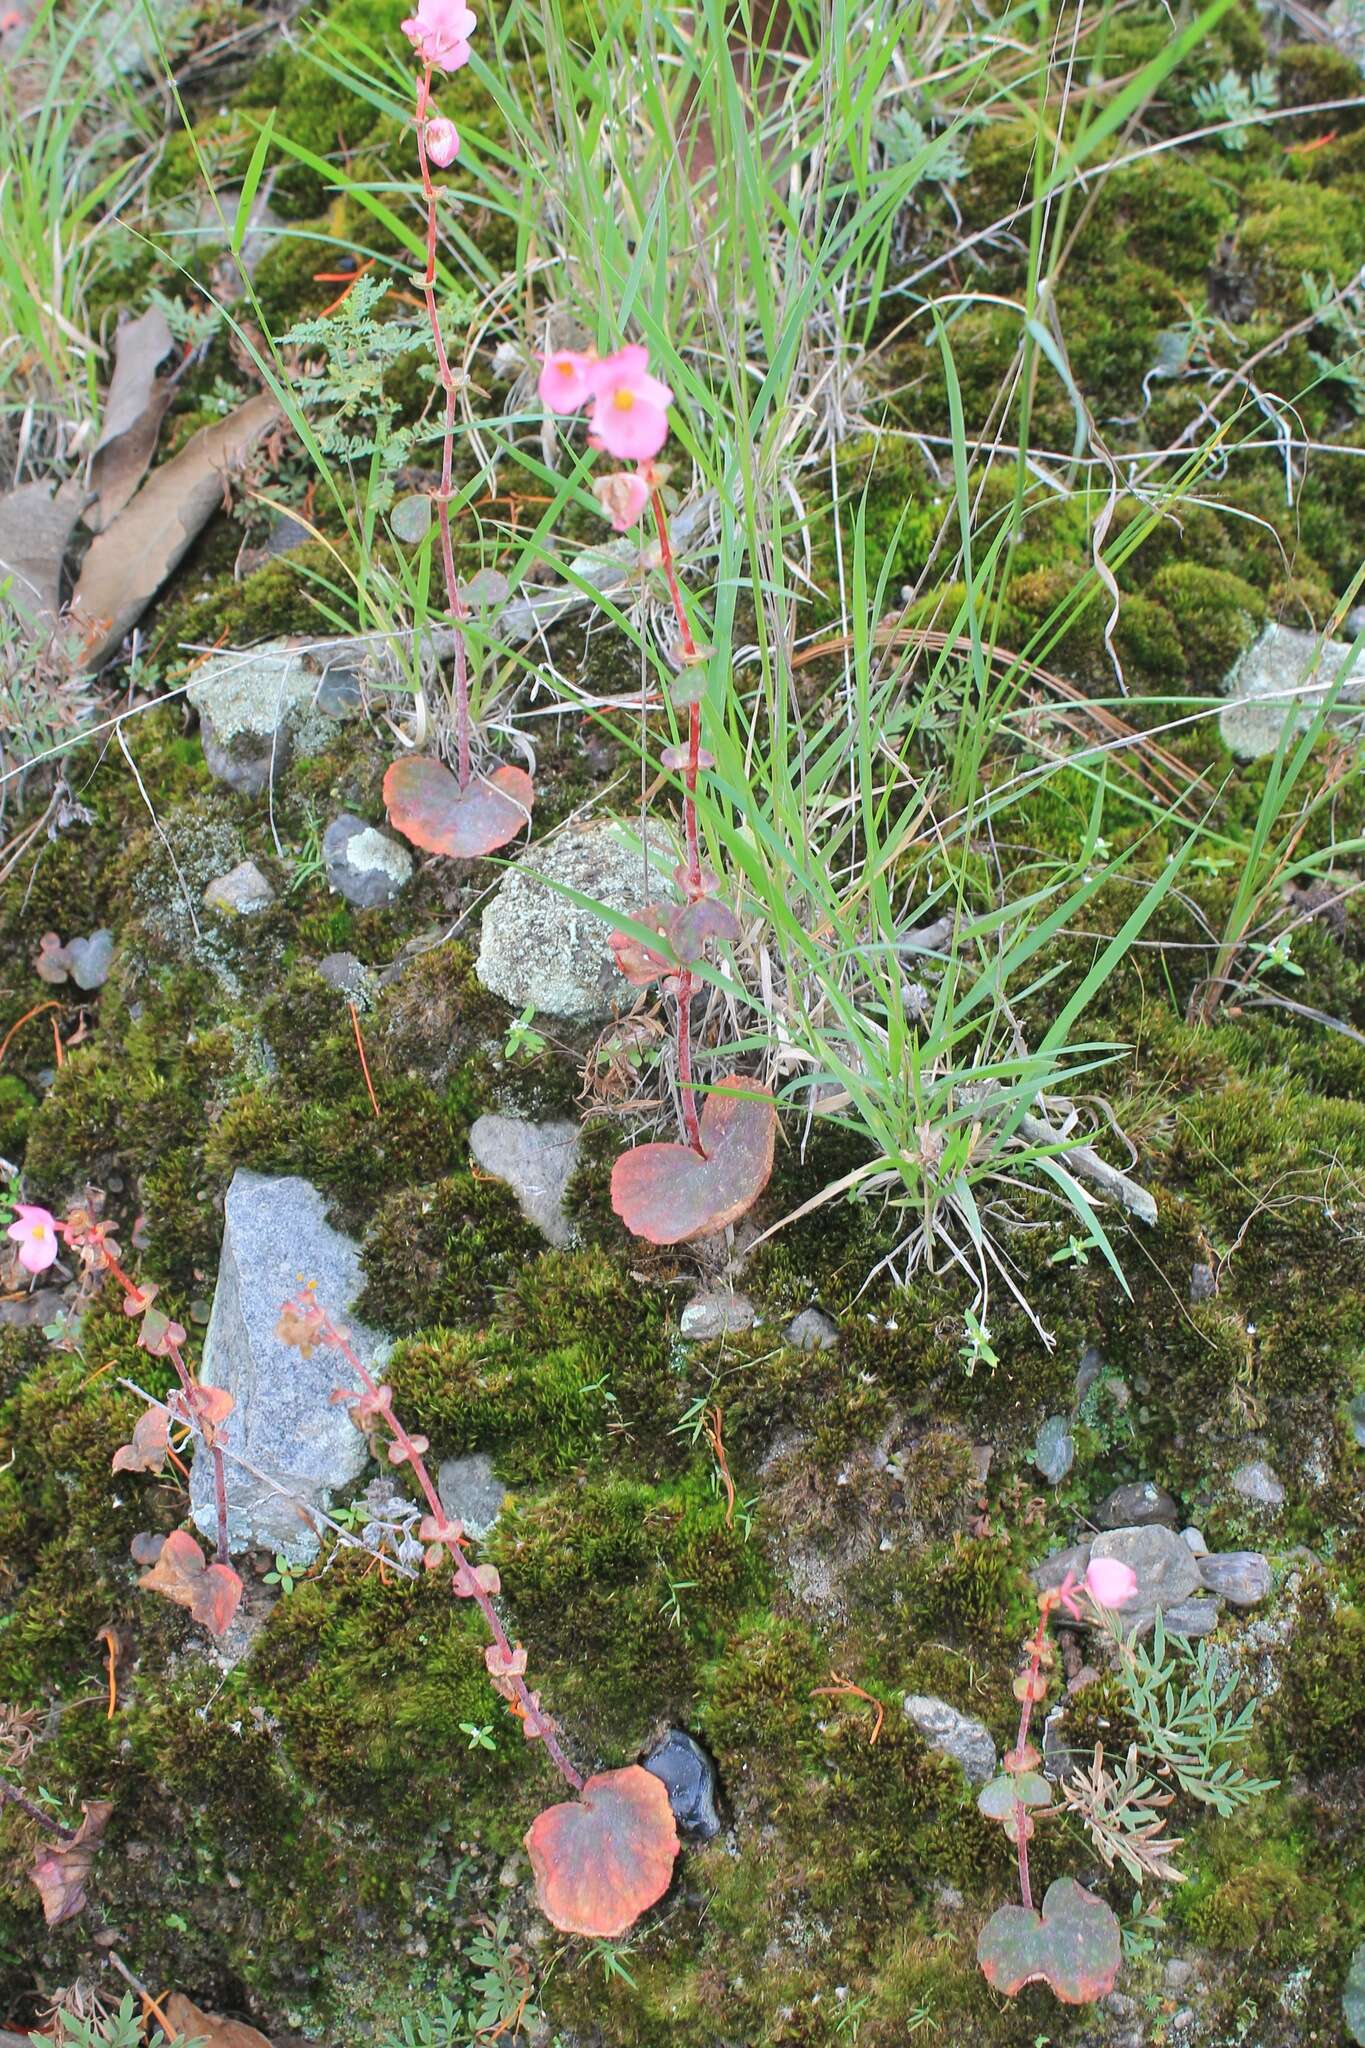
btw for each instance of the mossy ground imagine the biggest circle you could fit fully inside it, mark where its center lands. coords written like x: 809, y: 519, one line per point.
x: 307, y: 1838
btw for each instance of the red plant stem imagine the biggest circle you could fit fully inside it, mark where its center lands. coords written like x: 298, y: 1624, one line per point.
x: 454, y: 601
x: 214, y: 1448
x: 1022, y: 1822
x: 44, y: 1820
x: 466, y: 1583
x: 694, y: 881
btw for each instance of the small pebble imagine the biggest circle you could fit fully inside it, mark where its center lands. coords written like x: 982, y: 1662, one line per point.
x: 719, y: 1314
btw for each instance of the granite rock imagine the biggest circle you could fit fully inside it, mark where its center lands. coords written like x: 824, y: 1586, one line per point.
x: 536, y: 1162
x: 960, y: 1736
x: 540, y: 948
x: 276, y: 1236
x: 241, y: 893
x: 1286, y: 673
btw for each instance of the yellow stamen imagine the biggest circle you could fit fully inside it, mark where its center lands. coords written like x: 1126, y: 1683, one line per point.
x: 623, y: 400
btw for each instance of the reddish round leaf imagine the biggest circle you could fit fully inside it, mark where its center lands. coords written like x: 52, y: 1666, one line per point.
x: 427, y: 805
x: 1073, y: 1946
x: 669, y: 1194
x: 601, y: 1859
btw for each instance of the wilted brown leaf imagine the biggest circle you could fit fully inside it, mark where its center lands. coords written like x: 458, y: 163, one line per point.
x: 601, y: 1859
x: 210, y: 1591
x: 133, y: 411
x: 35, y: 526
x: 60, y: 1869
x: 132, y: 558
x: 191, y: 2022
x: 146, y: 1452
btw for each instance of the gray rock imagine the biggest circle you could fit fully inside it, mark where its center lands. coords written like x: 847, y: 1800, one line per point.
x: 254, y: 709
x: 366, y: 866
x: 812, y: 1330
x: 1166, y: 1571
x: 275, y: 1235
x: 1054, y: 1449
x: 349, y: 976
x: 1355, y: 1412
x: 1242, y: 1577
x: 1051, y: 1570
x: 719, y: 1313
x: 1136, y: 1506
x: 1195, y: 1539
x: 1178, y: 1973
x: 471, y: 1492
x: 538, y: 947
x: 690, y: 1778
x: 1258, y: 1482
x: 1286, y: 673
x: 1353, y: 1996
x: 1202, y: 1284
x: 240, y: 893
x: 961, y: 1736
x: 535, y: 1161
x: 1188, y: 1618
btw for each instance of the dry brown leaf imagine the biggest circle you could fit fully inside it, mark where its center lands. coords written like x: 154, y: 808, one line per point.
x: 35, y: 527
x: 132, y: 415
x: 132, y: 558
x: 60, y: 1869
x: 192, y: 2022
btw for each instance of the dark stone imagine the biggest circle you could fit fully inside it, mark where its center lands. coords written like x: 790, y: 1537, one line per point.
x: 690, y: 1777
x: 1137, y: 1506
x: 1202, y: 1284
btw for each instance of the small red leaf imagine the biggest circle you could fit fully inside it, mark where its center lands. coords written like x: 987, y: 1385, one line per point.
x: 1074, y: 1945
x: 601, y: 1859
x: 692, y: 924
x: 158, y: 1334
x: 427, y: 805
x: 60, y: 1869
x: 147, y: 1451
x: 210, y: 1591
x: 637, y: 961
x: 670, y: 1195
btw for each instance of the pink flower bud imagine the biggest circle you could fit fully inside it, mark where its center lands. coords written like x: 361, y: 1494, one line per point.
x: 623, y: 495
x: 1110, y: 1583
x: 442, y: 141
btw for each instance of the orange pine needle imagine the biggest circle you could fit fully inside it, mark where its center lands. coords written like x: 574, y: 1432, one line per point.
x: 36, y: 1011
x: 111, y: 1652
x: 712, y: 1427
x: 364, y: 1063
x: 843, y: 1689
x: 57, y: 1042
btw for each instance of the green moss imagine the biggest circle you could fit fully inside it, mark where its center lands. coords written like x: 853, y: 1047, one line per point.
x: 370, y: 1683
x: 623, y: 1589
x: 1320, y: 1725
x: 1216, y: 614
x: 537, y: 1413
x: 440, y: 1253
x: 1293, y: 229
x: 16, y: 1112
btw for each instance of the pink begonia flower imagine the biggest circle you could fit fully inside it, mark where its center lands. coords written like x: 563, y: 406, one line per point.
x: 566, y: 380
x: 629, y: 416
x: 34, y: 1230
x: 439, y: 32
x: 1110, y: 1583
x: 623, y: 495
x: 441, y: 141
